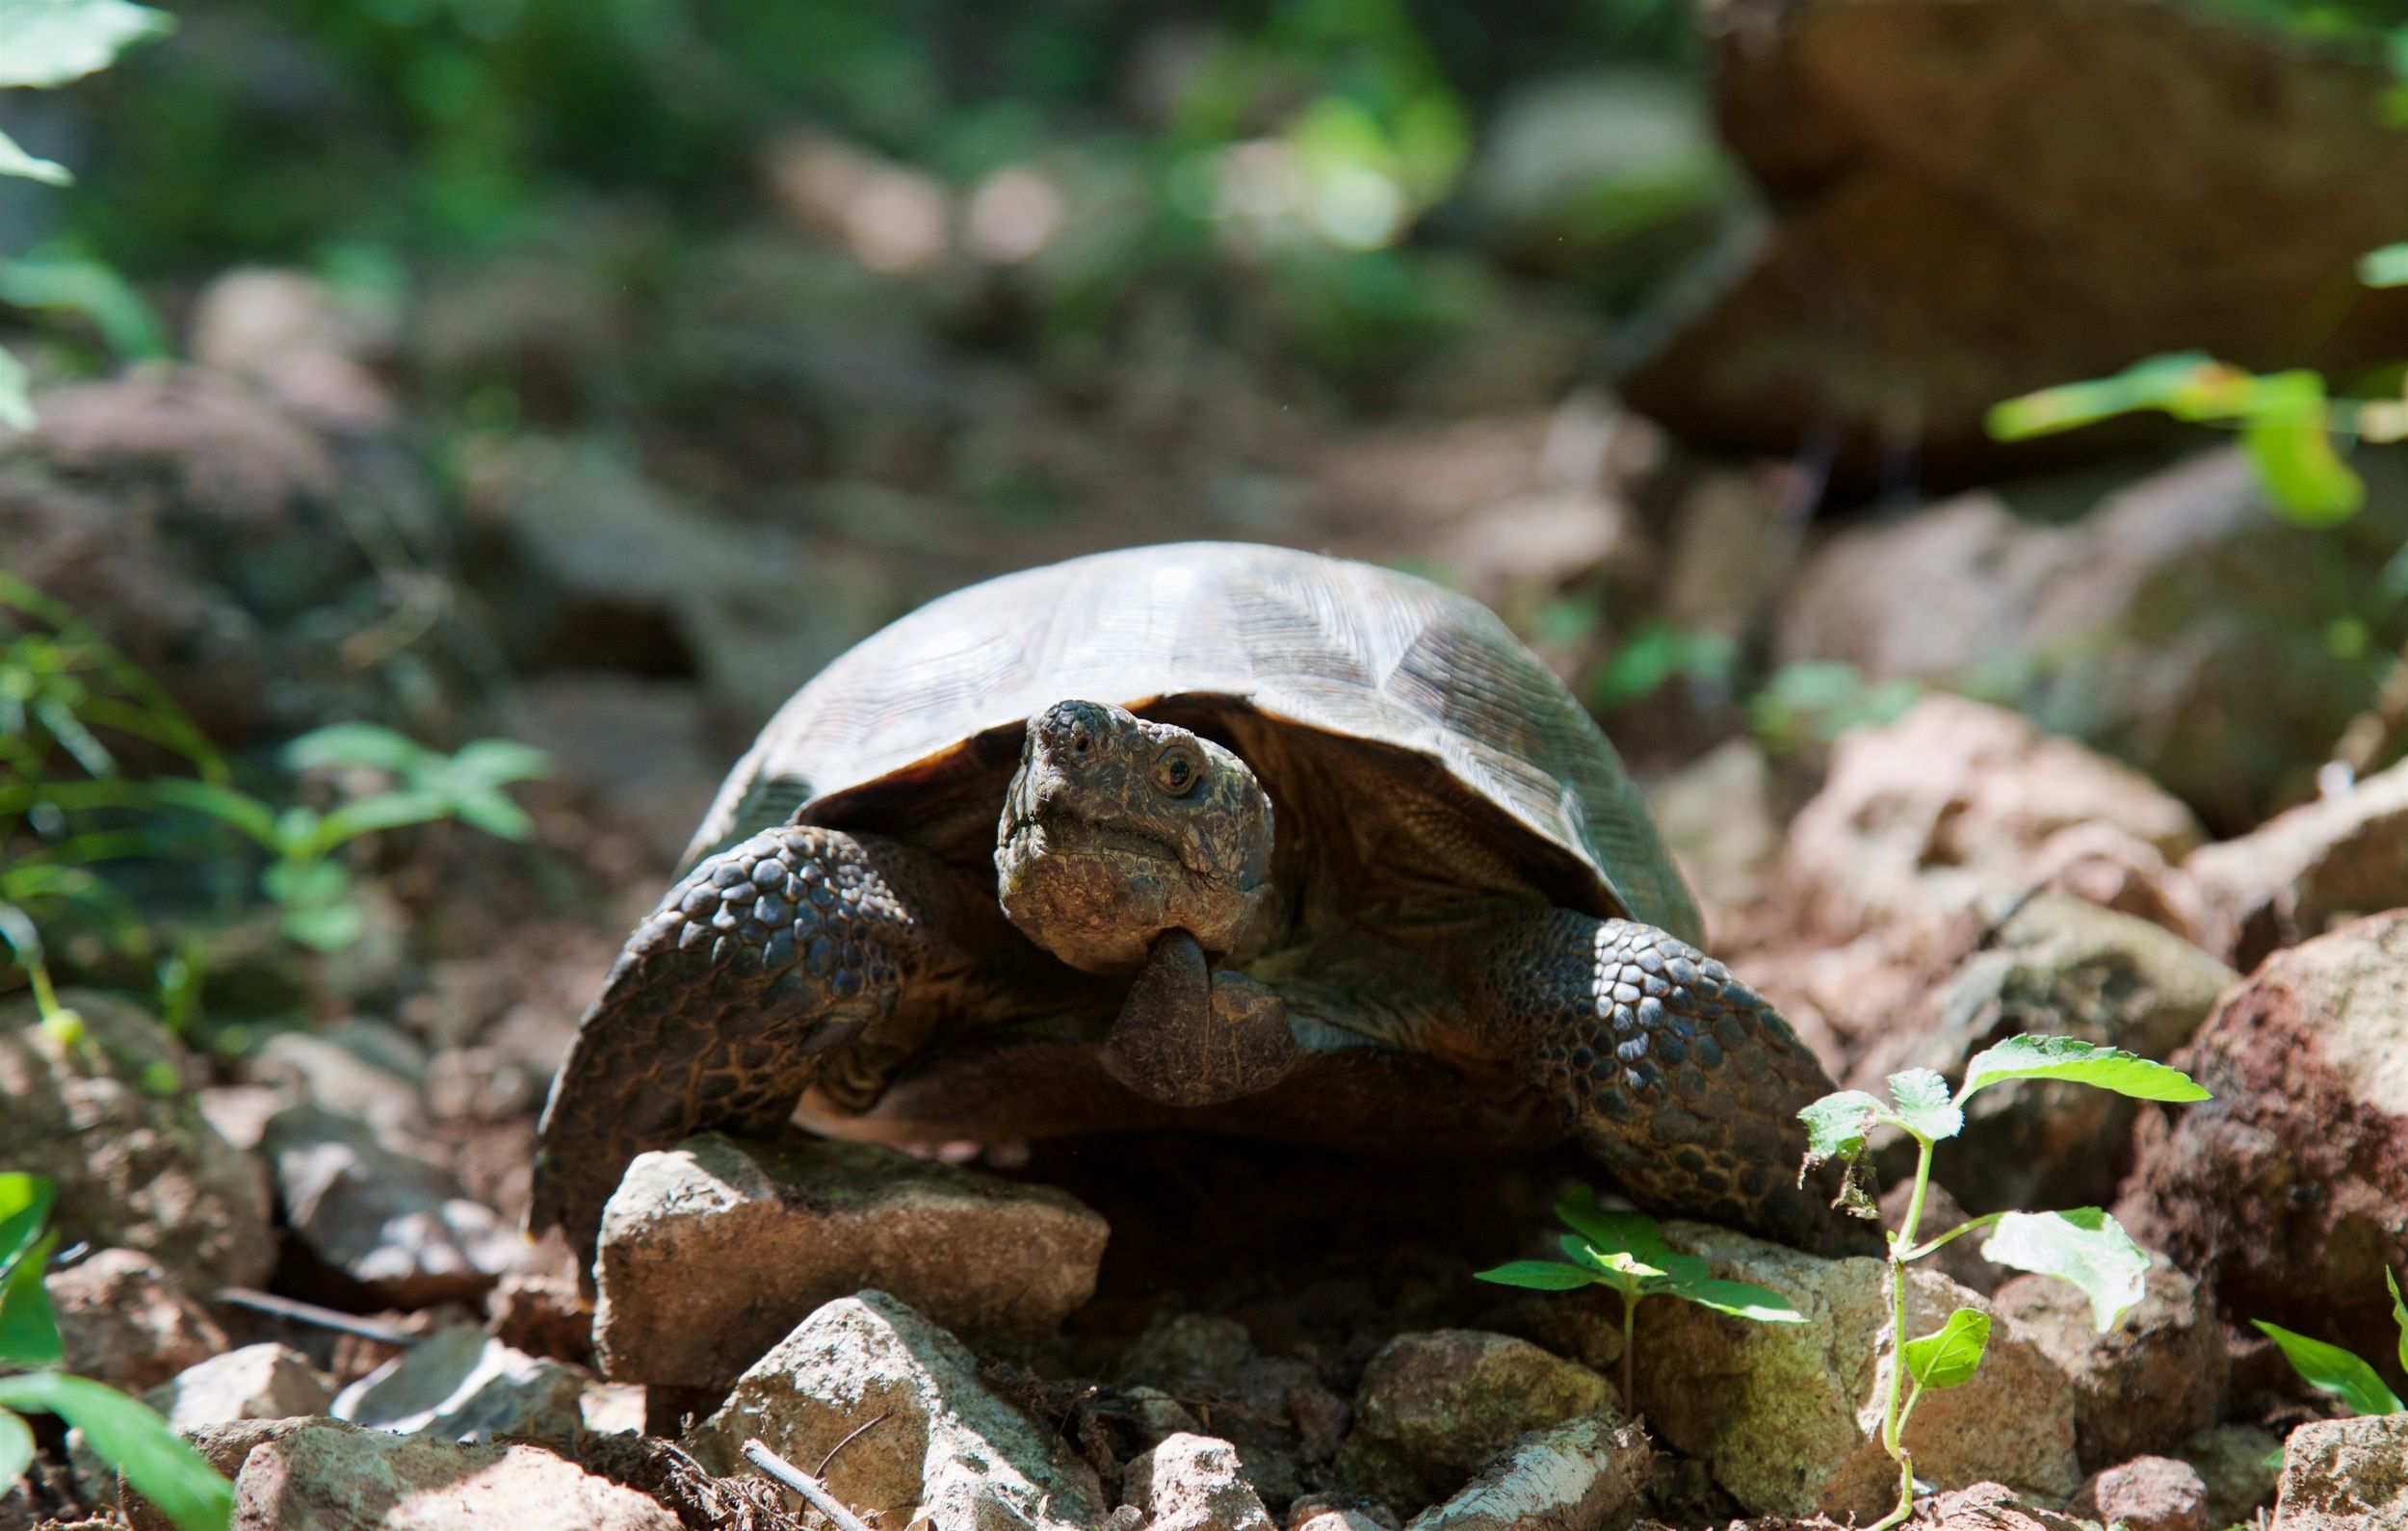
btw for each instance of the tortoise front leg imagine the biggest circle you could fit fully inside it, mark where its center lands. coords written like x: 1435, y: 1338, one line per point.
x: 718, y: 1010
x: 1673, y: 1074
x: 1192, y: 1034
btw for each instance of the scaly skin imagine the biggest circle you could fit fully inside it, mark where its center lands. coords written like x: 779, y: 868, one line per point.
x: 724, y: 1001
x: 1673, y: 1074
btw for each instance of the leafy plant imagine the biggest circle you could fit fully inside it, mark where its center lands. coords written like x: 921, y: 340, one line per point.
x: 1815, y: 701
x: 2085, y: 1247
x: 1626, y: 1250
x: 126, y: 1433
x: 2329, y: 1368
x: 46, y: 44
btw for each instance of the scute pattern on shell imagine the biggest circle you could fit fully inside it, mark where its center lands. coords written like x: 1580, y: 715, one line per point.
x: 1343, y: 647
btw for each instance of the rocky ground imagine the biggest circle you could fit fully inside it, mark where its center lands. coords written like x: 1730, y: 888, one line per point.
x: 294, y: 1226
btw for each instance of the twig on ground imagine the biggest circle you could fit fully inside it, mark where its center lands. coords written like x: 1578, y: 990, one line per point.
x: 302, y: 1312
x: 813, y: 1490
x: 822, y: 1469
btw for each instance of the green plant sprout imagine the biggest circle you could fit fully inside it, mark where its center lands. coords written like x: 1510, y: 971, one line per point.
x: 127, y: 1434
x: 1626, y: 1250
x: 2329, y: 1368
x: 2085, y: 1246
x: 2287, y: 421
x: 46, y: 44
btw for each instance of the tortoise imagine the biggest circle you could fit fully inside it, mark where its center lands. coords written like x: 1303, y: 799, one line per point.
x: 1208, y: 836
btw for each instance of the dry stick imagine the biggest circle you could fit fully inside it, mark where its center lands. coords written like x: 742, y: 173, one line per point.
x: 302, y: 1312
x: 813, y: 1490
x: 857, y: 1430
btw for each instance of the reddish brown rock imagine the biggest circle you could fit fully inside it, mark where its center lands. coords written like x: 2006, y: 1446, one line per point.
x: 2285, y: 1189
x: 2147, y: 1494
x: 2149, y: 1384
x: 122, y: 1321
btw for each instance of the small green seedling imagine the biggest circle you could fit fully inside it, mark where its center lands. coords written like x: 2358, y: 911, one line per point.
x: 2329, y: 1368
x: 127, y: 1434
x: 1626, y: 1250
x: 2085, y: 1246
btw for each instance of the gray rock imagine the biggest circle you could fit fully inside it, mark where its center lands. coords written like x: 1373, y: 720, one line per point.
x: 323, y: 1475
x: 399, y: 1226
x: 1339, y: 1512
x: 113, y: 1122
x: 1788, y: 1416
x: 1996, y: 1507
x: 1578, y: 1475
x: 257, y: 1381
x: 2152, y: 1382
x: 1434, y: 1408
x: 2147, y: 1494
x: 1339, y: 1519
x: 2062, y: 966
x: 2341, y: 1473
x: 2241, y: 1464
x: 945, y: 1450
x: 713, y: 1250
x: 1195, y: 1483
x: 122, y: 1321
x: 458, y: 1384
x: 2302, y: 872
x: 1187, y: 1347
x: 368, y: 1071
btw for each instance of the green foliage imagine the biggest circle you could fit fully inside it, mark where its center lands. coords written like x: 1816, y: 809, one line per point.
x: 1815, y: 701
x: 1657, y: 653
x: 2085, y: 1248
x: 2329, y: 1368
x: 1626, y: 1252
x: 1949, y: 1356
x: 126, y: 1434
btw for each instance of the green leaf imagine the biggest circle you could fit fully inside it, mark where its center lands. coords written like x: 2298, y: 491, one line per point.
x: 1538, y: 1275
x: 2084, y: 1246
x: 126, y: 1433
x: 494, y: 813
x: 371, y: 745
x: 29, y: 1330
x: 2329, y: 1368
x: 1616, y: 1232
x: 2387, y: 266
x: 241, y: 810
x: 1949, y: 1356
x: 495, y: 763
x: 16, y: 1447
x: 2399, y: 1315
x: 1924, y: 1103
x: 1836, y: 1124
x: 329, y: 928
x: 2157, y: 383
x: 1739, y: 1299
x: 16, y: 396
x: 369, y: 815
x: 45, y: 42
x: 25, y: 1202
x: 15, y: 160
x: 2038, y: 1058
x: 2300, y: 472
x: 305, y: 884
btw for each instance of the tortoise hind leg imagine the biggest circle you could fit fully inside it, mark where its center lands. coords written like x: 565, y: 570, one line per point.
x: 718, y: 1010
x: 1674, y: 1074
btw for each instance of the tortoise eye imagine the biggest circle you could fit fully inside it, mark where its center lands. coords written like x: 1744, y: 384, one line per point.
x: 1176, y: 772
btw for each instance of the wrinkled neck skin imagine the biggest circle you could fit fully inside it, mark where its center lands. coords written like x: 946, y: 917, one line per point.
x: 1117, y: 830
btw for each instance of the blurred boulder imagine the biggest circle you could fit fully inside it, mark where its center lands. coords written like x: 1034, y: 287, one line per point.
x: 112, y: 1119
x: 2302, y: 872
x: 268, y: 576
x: 287, y: 332
x: 2148, y: 1493
x: 123, y: 1321
x: 2239, y: 1464
x: 712, y: 1251
x: 2148, y: 1385
x: 1957, y: 800
x: 2285, y: 1189
x: 1788, y: 1416
x: 397, y: 1226
x: 1945, y: 231
x: 949, y: 1451
x: 2179, y: 624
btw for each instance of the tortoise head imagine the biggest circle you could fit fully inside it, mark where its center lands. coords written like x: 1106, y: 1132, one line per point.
x: 1117, y: 829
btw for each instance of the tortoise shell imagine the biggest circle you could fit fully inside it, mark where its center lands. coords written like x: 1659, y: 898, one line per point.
x: 916, y: 728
